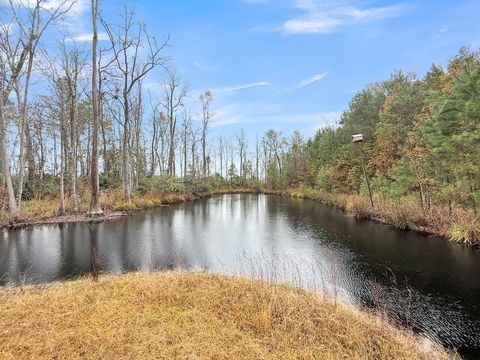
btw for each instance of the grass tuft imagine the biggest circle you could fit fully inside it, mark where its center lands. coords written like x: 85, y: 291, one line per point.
x: 465, y: 232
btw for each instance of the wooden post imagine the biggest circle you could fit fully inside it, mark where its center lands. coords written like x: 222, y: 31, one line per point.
x: 358, y: 138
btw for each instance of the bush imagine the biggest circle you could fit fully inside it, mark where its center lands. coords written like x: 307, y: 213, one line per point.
x: 466, y: 232
x: 109, y: 182
x: 359, y: 206
x: 162, y: 184
x: 47, y: 187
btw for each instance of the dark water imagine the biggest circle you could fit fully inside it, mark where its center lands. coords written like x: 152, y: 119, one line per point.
x: 425, y: 283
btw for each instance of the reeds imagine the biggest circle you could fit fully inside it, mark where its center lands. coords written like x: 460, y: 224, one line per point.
x: 465, y: 232
x: 457, y: 224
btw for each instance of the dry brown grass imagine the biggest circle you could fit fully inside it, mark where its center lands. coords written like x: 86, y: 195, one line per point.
x: 459, y: 225
x: 194, y: 316
x: 111, y: 200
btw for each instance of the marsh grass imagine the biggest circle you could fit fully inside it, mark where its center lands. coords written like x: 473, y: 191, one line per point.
x: 457, y: 224
x: 465, y: 232
x: 195, y: 316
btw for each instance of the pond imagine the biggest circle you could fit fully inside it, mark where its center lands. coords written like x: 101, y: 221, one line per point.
x: 423, y: 282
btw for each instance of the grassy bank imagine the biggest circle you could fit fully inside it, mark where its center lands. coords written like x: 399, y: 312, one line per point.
x: 46, y: 210
x: 458, y: 225
x: 191, y: 315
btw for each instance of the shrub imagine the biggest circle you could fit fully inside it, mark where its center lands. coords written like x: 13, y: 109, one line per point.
x: 359, y: 206
x: 466, y: 232
x: 161, y: 183
x: 108, y: 182
x: 47, y: 187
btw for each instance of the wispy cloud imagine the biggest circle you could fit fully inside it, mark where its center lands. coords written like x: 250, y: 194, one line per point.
x: 246, y: 113
x: 324, y: 17
x: 235, y: 88
x: 311, y: 80
x: 76, y: 6
x: 102, y: 36
x: 202, y: 66
x: 440, y: 32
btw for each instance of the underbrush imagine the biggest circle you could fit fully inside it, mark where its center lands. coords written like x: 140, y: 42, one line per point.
x: 151, y: 192
x: 457, y: 224
x: 465, y: 232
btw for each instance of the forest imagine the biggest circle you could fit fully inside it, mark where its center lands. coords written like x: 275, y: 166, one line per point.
x: 79, y: 133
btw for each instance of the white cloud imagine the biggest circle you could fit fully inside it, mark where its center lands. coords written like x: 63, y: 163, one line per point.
x: 311, y: 80
x: 201, y: 66
x: 76, y: 6
x: 102, y: 36
x: 270, y: 116
x: 235, y: 88
x: 327, y: 16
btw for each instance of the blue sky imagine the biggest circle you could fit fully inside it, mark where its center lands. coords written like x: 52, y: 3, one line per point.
x: 294, y: 64
x: 279, y: 47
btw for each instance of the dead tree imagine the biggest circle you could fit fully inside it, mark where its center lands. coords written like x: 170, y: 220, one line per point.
x: 95, y: 208
x: 205, y: 99
x: 128, y: 41
x: 17, y: 52
x: 175, y: 92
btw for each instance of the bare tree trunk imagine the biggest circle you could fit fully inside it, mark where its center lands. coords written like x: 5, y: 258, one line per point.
x: 63, y: 150
x: 30, y: 155
x: 193, y: 158
x: 12, y: 205
x: 257, y: 162
x: 95, y: 208
x: 205, y: 99
x: 154, y: 144
x: 23, y: 122
x: 73, y: 150
x: 137, y: 139
x: 125, y: 144
x: 61, y: 209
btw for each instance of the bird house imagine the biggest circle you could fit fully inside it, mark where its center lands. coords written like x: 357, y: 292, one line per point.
x: 357, y: 138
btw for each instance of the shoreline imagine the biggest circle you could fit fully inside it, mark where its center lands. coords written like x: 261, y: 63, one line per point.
x: 168, y: 199
x: 112, y: 214
x: 364, y: 213
x: 370, y: 217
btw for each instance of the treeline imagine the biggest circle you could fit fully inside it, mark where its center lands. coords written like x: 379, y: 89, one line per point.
x: 74, y: 117
x: 421, y: 140
x: 69, y: 115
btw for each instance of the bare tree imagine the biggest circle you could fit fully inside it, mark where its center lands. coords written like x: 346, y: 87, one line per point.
x: 221, y: 147
x: 95, y: 208
x: 186, y: 128
x: 155, y: 136
x: 127, y: 40
x: 205, y: 99
x: 193, y: 148
x: 31, y: 19
x: 63, y: 150
x: 242, y: 148
x: 257, y: 158
x: 175, y: 92
x: 72, y: 64
x: 275, y: 143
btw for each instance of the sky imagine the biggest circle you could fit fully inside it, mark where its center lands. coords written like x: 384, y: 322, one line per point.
x: 292, y: 64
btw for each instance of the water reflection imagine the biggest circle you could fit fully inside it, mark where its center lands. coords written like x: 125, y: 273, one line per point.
x: 423, y: 282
